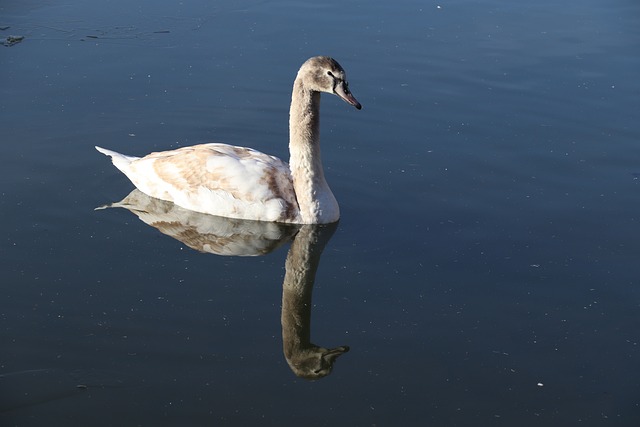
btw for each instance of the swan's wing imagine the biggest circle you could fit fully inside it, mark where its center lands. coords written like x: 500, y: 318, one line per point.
x: 219, y: 179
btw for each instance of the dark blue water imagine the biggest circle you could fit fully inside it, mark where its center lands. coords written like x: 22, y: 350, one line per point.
x: 485, y: 269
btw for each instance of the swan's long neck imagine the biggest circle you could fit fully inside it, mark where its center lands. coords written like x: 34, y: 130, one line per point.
x: 315, y: 199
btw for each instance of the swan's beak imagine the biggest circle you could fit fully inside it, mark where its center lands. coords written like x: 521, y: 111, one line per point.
x: 333, y: 353
x: 343, y: 92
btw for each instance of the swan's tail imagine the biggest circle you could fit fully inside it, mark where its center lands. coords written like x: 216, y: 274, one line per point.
x: 119, y: 160
x: 110, y: 205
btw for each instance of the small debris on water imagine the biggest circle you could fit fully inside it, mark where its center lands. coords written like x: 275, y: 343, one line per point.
x: 11, y: 40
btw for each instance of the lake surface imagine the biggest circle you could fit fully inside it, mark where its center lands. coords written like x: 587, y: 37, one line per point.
x: 485, y: 270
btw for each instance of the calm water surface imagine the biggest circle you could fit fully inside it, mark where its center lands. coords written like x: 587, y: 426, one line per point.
x: 485, y: 269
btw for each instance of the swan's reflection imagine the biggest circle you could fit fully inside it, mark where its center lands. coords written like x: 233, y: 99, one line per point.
x: 225, y: 236
x: 207, y: 233
x: 306, y: 360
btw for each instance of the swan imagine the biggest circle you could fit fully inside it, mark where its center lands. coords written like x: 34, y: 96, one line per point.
x: 243, y: 183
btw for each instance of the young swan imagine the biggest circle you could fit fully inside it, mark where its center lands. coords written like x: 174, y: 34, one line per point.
x: 239, y: 182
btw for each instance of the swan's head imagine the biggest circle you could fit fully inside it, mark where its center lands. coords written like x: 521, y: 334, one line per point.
x: 315, y: 362
x: 324, y: 74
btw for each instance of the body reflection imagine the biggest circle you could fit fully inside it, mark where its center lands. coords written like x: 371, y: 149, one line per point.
x: 207, y: 233
x: 234, y: 237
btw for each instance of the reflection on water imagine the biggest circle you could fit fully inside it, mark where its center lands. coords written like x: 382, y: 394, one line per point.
x: 306, y: 359
x: 234, y: 237
x: 207, y: 233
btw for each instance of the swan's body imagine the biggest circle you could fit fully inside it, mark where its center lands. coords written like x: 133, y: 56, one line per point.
x: 239, y: 182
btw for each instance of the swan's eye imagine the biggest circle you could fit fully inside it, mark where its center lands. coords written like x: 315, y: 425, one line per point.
x: 329, y: 73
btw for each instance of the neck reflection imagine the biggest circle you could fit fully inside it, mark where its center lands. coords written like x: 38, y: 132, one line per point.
x: 306, y: 359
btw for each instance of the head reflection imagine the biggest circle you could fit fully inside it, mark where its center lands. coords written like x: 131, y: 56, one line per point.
x: 233, y: 237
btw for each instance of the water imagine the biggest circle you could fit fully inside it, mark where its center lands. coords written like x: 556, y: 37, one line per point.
x: 484, y: 271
